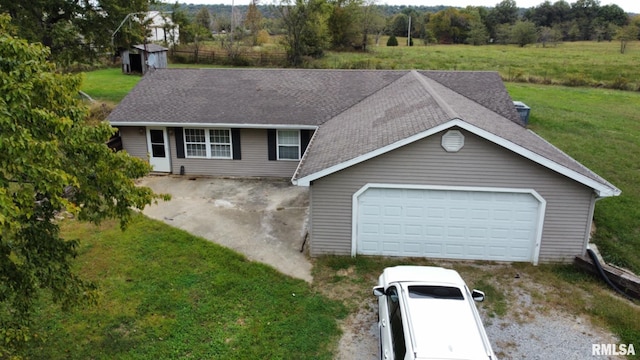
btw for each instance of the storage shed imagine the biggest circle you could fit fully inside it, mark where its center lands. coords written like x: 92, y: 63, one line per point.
x: 142, y: 57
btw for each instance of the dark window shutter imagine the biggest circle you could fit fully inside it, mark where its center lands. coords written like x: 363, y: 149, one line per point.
x: 235, y: 141
x: 179, y: 134
x: 305, y: 137
x: 271, y: 143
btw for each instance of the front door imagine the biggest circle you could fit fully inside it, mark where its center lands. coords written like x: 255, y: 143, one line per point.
x: 158, y: 149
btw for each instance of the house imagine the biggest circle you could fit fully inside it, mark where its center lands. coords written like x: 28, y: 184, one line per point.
x: 161, y: 28
x: 400, y: 163
x: 140, y: 58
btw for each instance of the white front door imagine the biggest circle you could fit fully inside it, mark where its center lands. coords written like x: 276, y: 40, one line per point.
x: 158, y: 146
x: 455, y: 224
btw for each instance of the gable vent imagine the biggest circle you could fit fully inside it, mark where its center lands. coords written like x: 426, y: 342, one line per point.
x: 452, y: 141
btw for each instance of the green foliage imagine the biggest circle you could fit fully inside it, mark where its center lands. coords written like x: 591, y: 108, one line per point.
x: 53, y: 162
x: 392, y: 41
x: 305, y: 26
x: 77, y: 31
x: 523, y: 33
x: 170, y: 295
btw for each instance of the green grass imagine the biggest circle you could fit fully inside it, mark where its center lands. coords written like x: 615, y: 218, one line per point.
x: 574, y: 64
x: 601, y: 129
x: 168, y: 295
x: 109, y: 85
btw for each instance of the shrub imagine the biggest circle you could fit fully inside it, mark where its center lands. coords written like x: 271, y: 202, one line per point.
x: 392, y: 41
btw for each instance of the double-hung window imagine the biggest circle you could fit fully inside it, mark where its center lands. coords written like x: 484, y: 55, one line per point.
x: 288, y: 145
x: 208, y: 143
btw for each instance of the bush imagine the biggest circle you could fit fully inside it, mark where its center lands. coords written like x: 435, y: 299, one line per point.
x: 392, y: 41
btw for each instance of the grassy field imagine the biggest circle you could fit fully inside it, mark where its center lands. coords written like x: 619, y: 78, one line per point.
x: 573, y: 64
x: 168, y: 295
x: 109, y: 85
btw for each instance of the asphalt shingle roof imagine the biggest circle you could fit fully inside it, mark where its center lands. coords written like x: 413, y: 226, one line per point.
x: 247, y: 96
x: 356, y: 111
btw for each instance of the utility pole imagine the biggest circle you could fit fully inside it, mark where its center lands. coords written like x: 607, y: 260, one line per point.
x: 409, y: 33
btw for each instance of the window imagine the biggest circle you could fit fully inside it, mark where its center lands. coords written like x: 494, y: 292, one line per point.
x: 435, y: 292
x: 220, y: 141
x: 288, y: 145
x: 214, y: 143
x: 395, y: 320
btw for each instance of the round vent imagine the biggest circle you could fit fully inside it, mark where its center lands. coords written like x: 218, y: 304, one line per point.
x: 452, y: 141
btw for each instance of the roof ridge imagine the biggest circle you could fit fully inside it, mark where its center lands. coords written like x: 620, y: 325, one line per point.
x: 427, y: 86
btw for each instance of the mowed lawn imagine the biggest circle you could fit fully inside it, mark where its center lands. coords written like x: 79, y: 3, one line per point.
x: 166, y: 294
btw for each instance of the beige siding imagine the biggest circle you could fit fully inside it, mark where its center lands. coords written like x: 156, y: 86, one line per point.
x: 479, y: 163
x: 255, y: 161
x: 134, y: 141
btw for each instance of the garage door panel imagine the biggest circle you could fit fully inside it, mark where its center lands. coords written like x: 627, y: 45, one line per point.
x: 447, y: 223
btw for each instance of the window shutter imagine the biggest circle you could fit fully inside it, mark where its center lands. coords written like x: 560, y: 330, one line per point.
x: 235, y: 141
x: 305, y: 137
x: 271, y: 143
x: 179, y: 134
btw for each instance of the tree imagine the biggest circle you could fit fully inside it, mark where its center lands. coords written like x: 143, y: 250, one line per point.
x: 53, y: 161
x: 344, y: 23
x: 626, y: 34
x: 523, y: 33
x: 373, y: 22
x: 478, y: 34
x: 77, y: 31
x: 392, y: 41
x: 305, y: 27
x: 203, y: 18
x: 253, y: 21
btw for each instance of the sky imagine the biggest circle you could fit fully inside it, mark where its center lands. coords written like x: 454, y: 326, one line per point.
x: 632, y: 6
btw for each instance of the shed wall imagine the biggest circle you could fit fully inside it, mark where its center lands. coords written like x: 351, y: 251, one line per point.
x: 479, y: 163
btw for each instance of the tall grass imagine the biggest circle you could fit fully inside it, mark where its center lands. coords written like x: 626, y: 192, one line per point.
x: 597, y: 64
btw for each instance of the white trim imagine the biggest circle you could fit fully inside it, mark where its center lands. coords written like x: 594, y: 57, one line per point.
x: 601, y: 189
x: 208, y: 143
x: 533, y: 192
x: 213, y: 125
x: 167, y: 149
x: 287, y: 145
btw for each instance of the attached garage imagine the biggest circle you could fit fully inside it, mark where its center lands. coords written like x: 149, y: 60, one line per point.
x: 455, y: 223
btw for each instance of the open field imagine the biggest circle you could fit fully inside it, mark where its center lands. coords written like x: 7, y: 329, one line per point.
x: 585, y: 63
x: 573, y: 64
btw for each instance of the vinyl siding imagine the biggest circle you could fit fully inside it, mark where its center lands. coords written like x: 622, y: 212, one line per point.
x: 134, y: 142
x: 479, y: 163
x: 254, y: 162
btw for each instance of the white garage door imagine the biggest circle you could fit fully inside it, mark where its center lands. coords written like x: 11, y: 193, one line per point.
x: 478, y: 225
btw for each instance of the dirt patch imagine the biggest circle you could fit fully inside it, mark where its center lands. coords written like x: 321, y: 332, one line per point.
x: 263, y: 219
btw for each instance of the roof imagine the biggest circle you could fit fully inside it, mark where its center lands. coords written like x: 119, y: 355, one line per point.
x: 151, y: 48
x: 349, y: 108
x: 430, y: 102
x: 411, y: 273
x: 247, y: 97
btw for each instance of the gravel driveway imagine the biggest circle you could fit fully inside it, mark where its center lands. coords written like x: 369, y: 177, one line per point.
x: 266, y: 221
x: 527, y: 331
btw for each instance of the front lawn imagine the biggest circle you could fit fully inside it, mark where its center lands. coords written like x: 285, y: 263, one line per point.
x: 169, y: 295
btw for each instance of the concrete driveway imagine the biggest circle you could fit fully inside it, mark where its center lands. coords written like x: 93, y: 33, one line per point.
x: 261, y: 218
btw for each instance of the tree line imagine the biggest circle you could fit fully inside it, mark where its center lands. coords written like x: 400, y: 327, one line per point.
x: 311, y: 26
x: 80, y: 32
